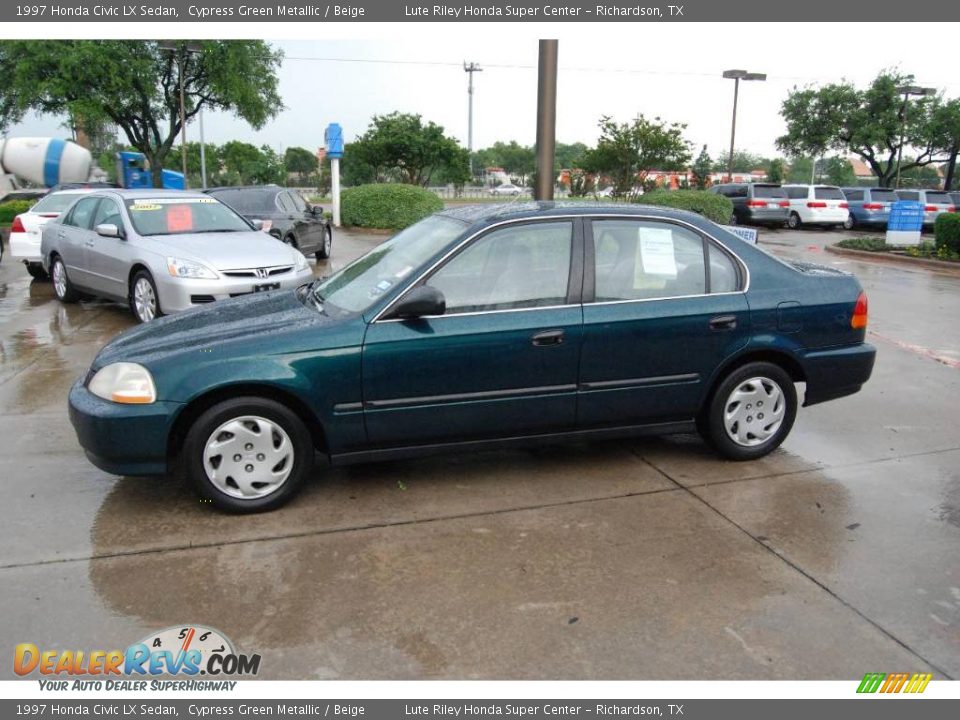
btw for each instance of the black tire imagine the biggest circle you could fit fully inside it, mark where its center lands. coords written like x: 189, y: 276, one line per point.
x: 62, y: 287
x: 793, y: 222
x: 36, y: 271
x: 733, y: 220
x: 327, y: 247
x: 850, y: 223
x: 291, y: 241
x: 194, y: 462
x: 143, y: 290
x: 712, y: 423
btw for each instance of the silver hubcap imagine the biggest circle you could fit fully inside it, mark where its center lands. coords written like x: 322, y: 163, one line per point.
x: 326, y: 245
x: 248, y: 457
x: 59, y: 279
x: 144, y: 300
x: 754, y: 411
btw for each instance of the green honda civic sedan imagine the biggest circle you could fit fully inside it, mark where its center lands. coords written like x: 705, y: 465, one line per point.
x: 475, y: 328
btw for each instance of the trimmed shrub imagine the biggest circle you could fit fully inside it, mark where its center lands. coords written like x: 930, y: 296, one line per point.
x: 9, y: 210
x: 387, y: 206
x: 712, y: 206
x: 947, y: 232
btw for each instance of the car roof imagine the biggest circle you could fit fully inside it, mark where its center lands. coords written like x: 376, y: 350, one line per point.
x: 132, y: 194
x: 73, y: 191
x: 487, y: 213
x: 223, y: 188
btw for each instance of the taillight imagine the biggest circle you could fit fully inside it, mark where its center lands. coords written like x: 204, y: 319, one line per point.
x: 872, y: 206
x: 930, y: 208
x: 859, y: 319
x: 951, y: 208
x: 816, y: 204
x: 756, y: 203
x: 784, y: 203
x: 17, y: 225
x: 844, y: 205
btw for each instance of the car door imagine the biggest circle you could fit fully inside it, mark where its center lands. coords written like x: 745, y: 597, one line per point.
x: 311, y: 232
x: 294, y: 220
x: 73, y: 236
x: 656, y: 323
x: 501, y: 361
x: 108, y: 258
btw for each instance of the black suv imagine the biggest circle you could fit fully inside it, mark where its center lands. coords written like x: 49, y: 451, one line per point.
x: 756, y: 203
x: 284, y: 214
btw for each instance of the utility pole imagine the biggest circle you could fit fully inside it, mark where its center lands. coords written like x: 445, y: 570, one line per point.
x: 546, y: 119
x: 737, y: 76
x: 181, y: 51
x: 470, y: 69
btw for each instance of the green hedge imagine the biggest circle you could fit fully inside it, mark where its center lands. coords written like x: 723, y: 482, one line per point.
x: 712, y: 206
x: 947, y: 232
x: 9, y: 210
x: 388, y: 206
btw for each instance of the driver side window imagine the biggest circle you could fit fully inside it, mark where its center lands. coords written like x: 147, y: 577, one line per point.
x: 521, y: 266
x: 107, y: 214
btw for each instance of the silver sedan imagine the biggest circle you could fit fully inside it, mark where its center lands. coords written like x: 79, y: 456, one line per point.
x: 163, y: 251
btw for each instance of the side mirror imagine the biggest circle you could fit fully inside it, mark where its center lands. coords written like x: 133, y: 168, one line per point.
x: 108, y: 230
x: 317, y: 210
x: 257, y: 224
x: 421, y: 301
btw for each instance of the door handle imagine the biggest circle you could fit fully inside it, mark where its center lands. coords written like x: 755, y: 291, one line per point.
x: 723, y: 322
x: 89, y: 243
x: 548, y: 337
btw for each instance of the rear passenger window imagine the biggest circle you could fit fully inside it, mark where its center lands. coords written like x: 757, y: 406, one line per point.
x: 640, y: 260
x: 796, y: 193
x: 81, y: 214
x: 828, y: 193
x: 723, y: 271
x: 907, y: 195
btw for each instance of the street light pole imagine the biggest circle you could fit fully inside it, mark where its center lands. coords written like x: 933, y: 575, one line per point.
x: 546, y: 119
x: 181, y: 51
x: 470, y: 70
x: 737, y: 76
x: 907, y: 91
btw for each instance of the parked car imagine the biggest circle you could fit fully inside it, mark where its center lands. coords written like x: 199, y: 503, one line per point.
x: 935, y: 203
x: 819, y: 205
x: 506, y: 189
x: 955, y: 198
x: 284, y: 214
x: 606, y: 192
x: 481, y: 327
x: 163, y: 251
x: 868, y: 207
x: 756, y: 203
x: 26, y: 227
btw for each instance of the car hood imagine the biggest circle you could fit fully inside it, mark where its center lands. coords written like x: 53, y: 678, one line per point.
x: 251, y: 317
x: 230, y: 251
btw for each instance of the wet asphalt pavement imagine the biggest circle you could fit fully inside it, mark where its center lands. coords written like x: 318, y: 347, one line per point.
x: 651, y: 559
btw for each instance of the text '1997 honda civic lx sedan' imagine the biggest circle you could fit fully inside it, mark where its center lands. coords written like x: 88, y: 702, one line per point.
x: 475, y: 328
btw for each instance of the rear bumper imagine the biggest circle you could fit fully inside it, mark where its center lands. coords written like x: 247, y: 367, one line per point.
x: 766, y: 217
x: 823, y: 217
x: 837, y: 372
x: 25, y: 246
x: 122, y: 439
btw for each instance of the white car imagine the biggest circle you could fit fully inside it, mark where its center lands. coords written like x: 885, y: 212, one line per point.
x: 823, y: 205
x: 506, y: 189
x: 26, y: 228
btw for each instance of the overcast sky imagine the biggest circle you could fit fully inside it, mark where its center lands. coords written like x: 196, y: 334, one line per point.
x: 673, y: 72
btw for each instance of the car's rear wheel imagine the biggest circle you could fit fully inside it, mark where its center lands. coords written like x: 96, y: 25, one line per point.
x: 324, y: 252
x: 751, y: 412
x: 248, y: 454
x: 62, y: 287
x: 793, y: 222
x: 144, y: 300
x: 733, y: 219
x: 849, y: 223
x: 36, y: 271
x: 291, y: 241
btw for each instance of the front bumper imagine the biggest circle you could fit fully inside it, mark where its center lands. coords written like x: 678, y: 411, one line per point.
x: 122, y: 439
x: 25, y: 246
x: 837, y: 372
x: 178, y: 294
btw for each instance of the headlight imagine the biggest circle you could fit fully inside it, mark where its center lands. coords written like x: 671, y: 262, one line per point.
x: 180, y: 268
x: 124, y: 382
x: 301, y: 259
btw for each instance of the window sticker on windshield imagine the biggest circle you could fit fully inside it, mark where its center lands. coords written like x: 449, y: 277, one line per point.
x: 179, y: 218
x: 656, y: 253
x: 175, y: 201
x: 143, y: 206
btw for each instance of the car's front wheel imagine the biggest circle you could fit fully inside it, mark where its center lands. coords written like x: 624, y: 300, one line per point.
x: 62, y: 287
x: 751, y: 412
x: 248, y: 454
x: 327, y: 247
x: 144, y: 300
x: 36, y: 271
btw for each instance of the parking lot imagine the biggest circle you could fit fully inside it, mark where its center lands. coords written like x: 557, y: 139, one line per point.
x: 645, y: 559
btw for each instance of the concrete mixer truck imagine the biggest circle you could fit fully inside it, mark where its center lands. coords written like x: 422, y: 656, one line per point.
x: 55, y: 163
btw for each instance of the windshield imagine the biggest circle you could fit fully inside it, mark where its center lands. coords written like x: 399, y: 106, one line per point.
x: 55, y: 203
x: 176, y: 216
x: 359, y: 284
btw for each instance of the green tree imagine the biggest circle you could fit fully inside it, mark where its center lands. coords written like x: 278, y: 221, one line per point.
x: 837, y: 171
x: 701, y: 169
x: 135, y: 85
x: 401, y: 144
x: 213, y: 158
x: 743, y: 162
x: 570, y: 156
x: 237, y: 157
x: 867, y: 123
x: 300, y: 161
x: 628, y: 151
x: 776, y: 169
x: 945, y: 118
x: 800, y: 170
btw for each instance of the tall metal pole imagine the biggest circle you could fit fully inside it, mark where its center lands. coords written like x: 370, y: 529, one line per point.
x: 733, y: 128
x: 470, y: 70
x: 903, y: 124
x: 183, y: 124
x: 546, y: 119
x: 203, y: 154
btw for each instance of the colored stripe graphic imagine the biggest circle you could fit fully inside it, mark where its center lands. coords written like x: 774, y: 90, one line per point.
x: 894, y: 682
x: 51, y: 163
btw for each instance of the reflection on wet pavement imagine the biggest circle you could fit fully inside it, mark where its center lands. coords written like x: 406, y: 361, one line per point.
x: 649, y: 558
